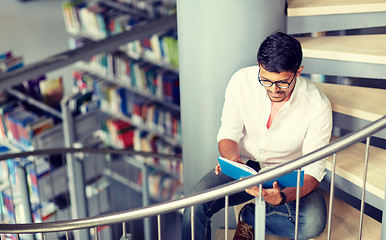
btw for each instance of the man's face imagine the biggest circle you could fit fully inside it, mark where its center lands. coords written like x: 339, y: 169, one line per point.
x: 286, y: 79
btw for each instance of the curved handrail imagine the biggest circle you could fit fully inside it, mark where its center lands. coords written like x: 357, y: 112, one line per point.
x: 86, y: 150
x: 205, y: 196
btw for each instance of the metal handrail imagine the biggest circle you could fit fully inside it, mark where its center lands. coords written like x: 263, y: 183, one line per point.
x: 202, y: 197
x: 86, y: 150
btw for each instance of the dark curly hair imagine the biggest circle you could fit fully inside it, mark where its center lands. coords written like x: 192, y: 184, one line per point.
x: 280, y: 52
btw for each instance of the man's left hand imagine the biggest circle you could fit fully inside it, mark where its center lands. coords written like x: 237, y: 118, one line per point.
x: 271, y: 195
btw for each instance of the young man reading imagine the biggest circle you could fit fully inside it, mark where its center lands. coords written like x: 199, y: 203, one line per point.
x: 271, y: 116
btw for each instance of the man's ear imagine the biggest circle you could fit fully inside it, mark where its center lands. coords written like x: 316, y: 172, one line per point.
x: 299, y: 71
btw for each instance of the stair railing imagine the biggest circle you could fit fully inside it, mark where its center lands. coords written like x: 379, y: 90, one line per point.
x: 190, y: 201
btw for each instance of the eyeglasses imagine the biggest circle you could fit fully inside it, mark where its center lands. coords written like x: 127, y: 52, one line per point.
x: 279, y: 84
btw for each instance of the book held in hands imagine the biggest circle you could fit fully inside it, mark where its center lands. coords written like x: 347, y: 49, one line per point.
x: 237, y: 170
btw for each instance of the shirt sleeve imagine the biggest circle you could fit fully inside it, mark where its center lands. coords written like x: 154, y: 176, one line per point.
x: 231, y: 120
x: 318, y: 135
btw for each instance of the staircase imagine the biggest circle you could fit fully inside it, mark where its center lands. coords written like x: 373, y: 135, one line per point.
x: 359, y: 56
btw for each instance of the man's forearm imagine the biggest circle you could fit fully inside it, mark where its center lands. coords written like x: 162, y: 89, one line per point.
x: 309, y: 184
x: 228, y: 148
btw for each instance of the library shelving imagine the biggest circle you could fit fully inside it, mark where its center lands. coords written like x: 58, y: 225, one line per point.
x: 21, y: 123
x: 137, y: 86
x: 36, y: 188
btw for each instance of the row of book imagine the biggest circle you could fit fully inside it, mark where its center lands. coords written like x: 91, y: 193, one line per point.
x: 20, y: 125
x: 95, y: 19
x: 10, y: 62
x: 141, y: 75
x: 121, y: 134
x: 148, y: 142
x: 162, y: 187
x: 100, y: 19
x: 161, y: 48
x: 158, y: 8
x: 133, y: 108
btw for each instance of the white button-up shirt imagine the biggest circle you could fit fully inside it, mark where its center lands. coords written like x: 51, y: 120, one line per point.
x: 301, y: 126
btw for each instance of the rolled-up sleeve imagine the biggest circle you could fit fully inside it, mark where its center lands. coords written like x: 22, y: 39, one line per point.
x: 317, y: 136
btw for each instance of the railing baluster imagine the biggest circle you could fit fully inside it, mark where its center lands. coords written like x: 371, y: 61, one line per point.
x: 43, y: 236
x: 145, y: 201
x: 259, y: 216
x: 159, y: 226
x: 383, y: 231
x: 226, y: 216
x: 123, y: 229
x: 18, y: 236
x: 297, y: 206
x: 364, y: 187
x: 332, y: 187
x: 96, y: 233
x: 192, y: 221
x: 67, y: 236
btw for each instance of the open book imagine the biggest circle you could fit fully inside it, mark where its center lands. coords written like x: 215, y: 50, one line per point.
x: 237, y: 170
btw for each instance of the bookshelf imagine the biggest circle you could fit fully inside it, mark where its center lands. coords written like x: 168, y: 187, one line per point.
x: 136, y: 87
x: 36, y: 189
x: 23, y: 198
x: 135, y: 84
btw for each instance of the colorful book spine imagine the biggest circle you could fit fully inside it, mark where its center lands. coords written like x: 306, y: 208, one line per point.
x: 162, y: 187
x: 121, y: 133
x: 20, y: 125
x: 9, y: 62
x: 96, y: 20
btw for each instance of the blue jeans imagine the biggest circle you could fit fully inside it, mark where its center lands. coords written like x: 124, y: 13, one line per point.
x: 279, y: 220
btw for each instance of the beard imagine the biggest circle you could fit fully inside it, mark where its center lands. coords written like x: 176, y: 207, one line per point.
x: 276, y: 97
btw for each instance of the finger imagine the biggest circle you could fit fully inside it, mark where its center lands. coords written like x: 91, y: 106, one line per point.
x: 236, y: 159
x: 217, y: 169
x: 264, y: 192
x: 251, y: 192
x: 276, y: 186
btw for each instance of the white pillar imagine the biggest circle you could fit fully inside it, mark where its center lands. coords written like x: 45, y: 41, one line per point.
x: 215, y: 38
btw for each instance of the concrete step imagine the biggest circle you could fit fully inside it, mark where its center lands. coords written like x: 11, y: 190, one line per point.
x: 360, y: 102
x: 353, y: 48
x: 328, y: 7
x: 345, y: 224
x: 362, y: 56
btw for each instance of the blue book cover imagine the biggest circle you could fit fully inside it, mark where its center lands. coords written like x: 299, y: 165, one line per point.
x: 236, y: 170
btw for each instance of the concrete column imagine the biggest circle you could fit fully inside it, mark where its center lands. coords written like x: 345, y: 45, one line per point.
x: 216, y: 38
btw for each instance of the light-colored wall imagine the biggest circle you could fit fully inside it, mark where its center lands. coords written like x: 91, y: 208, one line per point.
x: 216, y: 38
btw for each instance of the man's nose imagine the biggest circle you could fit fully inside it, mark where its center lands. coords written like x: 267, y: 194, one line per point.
x: 274, y: 88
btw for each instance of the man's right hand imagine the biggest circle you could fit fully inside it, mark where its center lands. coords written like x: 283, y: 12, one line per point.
x: 217, y: 169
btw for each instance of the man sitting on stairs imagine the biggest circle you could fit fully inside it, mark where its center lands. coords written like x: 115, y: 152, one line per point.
x: 270, y: 116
